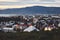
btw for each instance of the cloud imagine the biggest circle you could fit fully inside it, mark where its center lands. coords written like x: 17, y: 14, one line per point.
x: 23, y: 2
x: 2, y: 7
x: 8, y: 0
x: 58, y: 1
x: 47, y: 0
x: 4, y: 4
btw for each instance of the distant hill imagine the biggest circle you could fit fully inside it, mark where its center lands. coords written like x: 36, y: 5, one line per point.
x: 32, y: 10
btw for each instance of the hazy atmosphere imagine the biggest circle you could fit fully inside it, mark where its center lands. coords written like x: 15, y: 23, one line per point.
x: 4, y: 4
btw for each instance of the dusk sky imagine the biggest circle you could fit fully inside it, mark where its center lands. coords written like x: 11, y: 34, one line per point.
x: 4, y: 4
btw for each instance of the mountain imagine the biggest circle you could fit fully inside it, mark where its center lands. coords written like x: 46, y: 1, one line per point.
x: 32, y: 10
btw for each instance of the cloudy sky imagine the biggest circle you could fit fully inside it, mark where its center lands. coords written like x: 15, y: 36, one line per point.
x: 4, y: 4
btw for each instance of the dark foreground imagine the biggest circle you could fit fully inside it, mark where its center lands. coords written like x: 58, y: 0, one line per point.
x: 30, y: 36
